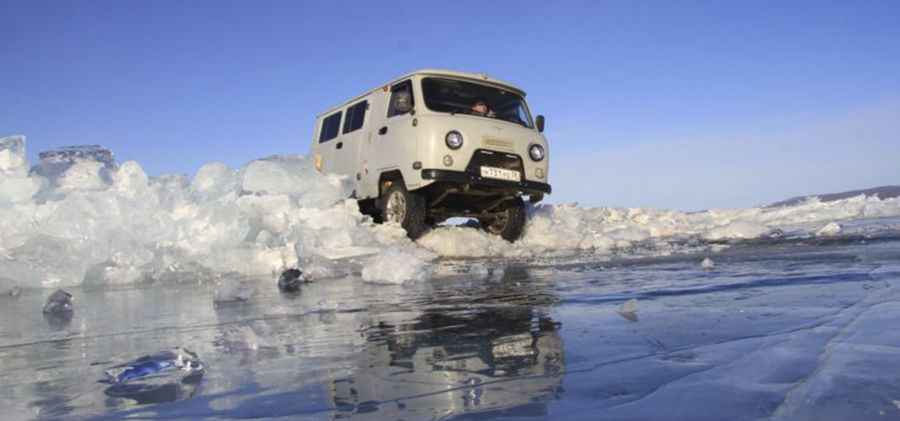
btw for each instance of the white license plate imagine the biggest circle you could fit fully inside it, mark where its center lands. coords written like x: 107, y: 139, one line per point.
x: 500, y: 173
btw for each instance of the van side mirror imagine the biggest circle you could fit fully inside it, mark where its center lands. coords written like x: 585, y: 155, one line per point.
x: 539, y: 121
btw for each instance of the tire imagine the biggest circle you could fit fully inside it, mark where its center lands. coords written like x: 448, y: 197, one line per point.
x: 509, y: 223
x: 404, y: 207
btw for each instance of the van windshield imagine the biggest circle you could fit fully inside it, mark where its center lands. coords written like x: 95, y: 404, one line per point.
x: 458, y: 97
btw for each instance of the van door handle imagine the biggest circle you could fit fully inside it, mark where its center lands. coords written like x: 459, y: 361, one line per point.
x: 339, y: 145
x: 382, y: 130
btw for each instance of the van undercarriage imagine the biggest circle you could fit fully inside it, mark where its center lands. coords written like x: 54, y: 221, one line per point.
x: 497, y: 204
x: 467, y: 195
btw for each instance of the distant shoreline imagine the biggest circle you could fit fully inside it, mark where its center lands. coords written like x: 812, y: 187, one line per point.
x: 883, y: 192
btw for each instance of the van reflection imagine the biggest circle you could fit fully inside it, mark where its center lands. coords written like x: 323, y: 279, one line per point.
x: 506, y: 360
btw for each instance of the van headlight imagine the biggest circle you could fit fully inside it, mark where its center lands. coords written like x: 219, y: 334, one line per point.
x: 454, y: 139
x: 536, y: 152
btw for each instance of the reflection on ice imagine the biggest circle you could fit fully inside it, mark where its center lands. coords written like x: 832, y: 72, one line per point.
x: 443, y: 365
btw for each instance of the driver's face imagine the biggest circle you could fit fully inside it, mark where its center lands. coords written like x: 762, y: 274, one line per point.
x: 479, y: 107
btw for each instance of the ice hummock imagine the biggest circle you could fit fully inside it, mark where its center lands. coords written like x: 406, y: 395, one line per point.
x: 12, y: 156
x: 93, y: 166
x: 16, y: 187
x: 96, y: 222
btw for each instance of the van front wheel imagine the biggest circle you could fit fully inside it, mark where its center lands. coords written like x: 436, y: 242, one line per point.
x: 508, y: 223
x: 405, y: 208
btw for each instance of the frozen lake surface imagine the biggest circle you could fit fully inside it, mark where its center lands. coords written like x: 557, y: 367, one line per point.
x: 803, y: 329
x: 782, y: 312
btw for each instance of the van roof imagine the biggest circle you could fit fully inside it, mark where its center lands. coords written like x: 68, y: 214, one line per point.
x: 481, y: 77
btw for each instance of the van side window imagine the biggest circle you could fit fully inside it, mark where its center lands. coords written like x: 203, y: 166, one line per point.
x: 330, y: 126
x: 401, y: 99
x: 356, y: 115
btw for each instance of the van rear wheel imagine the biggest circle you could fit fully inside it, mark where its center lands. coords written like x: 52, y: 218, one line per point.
x: 405, y: 208
x: 508, y: 223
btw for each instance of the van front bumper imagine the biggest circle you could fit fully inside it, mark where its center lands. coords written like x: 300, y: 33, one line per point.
x: 477, y: 180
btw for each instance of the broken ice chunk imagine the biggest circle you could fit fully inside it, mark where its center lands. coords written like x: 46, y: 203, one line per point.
x: 707, y: 264
x: 628, y: 310
x: 831, y: 229
x: 213, y: 181
x: 60, y: 302
x: 12, y: 156
x: 15, y: 185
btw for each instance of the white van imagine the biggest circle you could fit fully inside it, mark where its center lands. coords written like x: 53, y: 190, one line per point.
x: 436, y: 144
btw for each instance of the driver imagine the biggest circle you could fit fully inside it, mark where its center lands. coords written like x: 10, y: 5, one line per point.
x: 479, y: 107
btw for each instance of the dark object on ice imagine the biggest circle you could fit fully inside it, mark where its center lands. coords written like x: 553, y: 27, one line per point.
x: 472, y: 223
x: 291, y: 280
x: 59, y: 303
x: 181, y: 360
x: 166, y: 376
x: 58, y: 310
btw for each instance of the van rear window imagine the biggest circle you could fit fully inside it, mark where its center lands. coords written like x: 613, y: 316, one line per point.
x: 355, y: 117
x: 330, y: 126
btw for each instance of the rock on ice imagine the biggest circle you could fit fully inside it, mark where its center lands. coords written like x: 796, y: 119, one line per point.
x: 60, y: 302
x: 290, y: 280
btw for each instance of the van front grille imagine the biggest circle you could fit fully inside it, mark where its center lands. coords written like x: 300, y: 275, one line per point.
x: 487, y: 158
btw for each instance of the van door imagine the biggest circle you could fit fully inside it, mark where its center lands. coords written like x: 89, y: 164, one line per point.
x: 369, y: 142
x: 347, y: 148
x: 329, y: 129
x: 393, y: 144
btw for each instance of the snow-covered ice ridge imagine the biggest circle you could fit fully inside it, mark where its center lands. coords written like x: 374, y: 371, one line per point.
x: 91, y: 221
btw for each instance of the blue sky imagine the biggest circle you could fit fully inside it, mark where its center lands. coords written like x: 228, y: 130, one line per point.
x: 683, y: 105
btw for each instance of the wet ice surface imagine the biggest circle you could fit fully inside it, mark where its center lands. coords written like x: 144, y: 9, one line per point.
x: 781, y: 330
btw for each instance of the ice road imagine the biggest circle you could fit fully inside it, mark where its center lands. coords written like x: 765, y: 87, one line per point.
x: 598, y: 313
